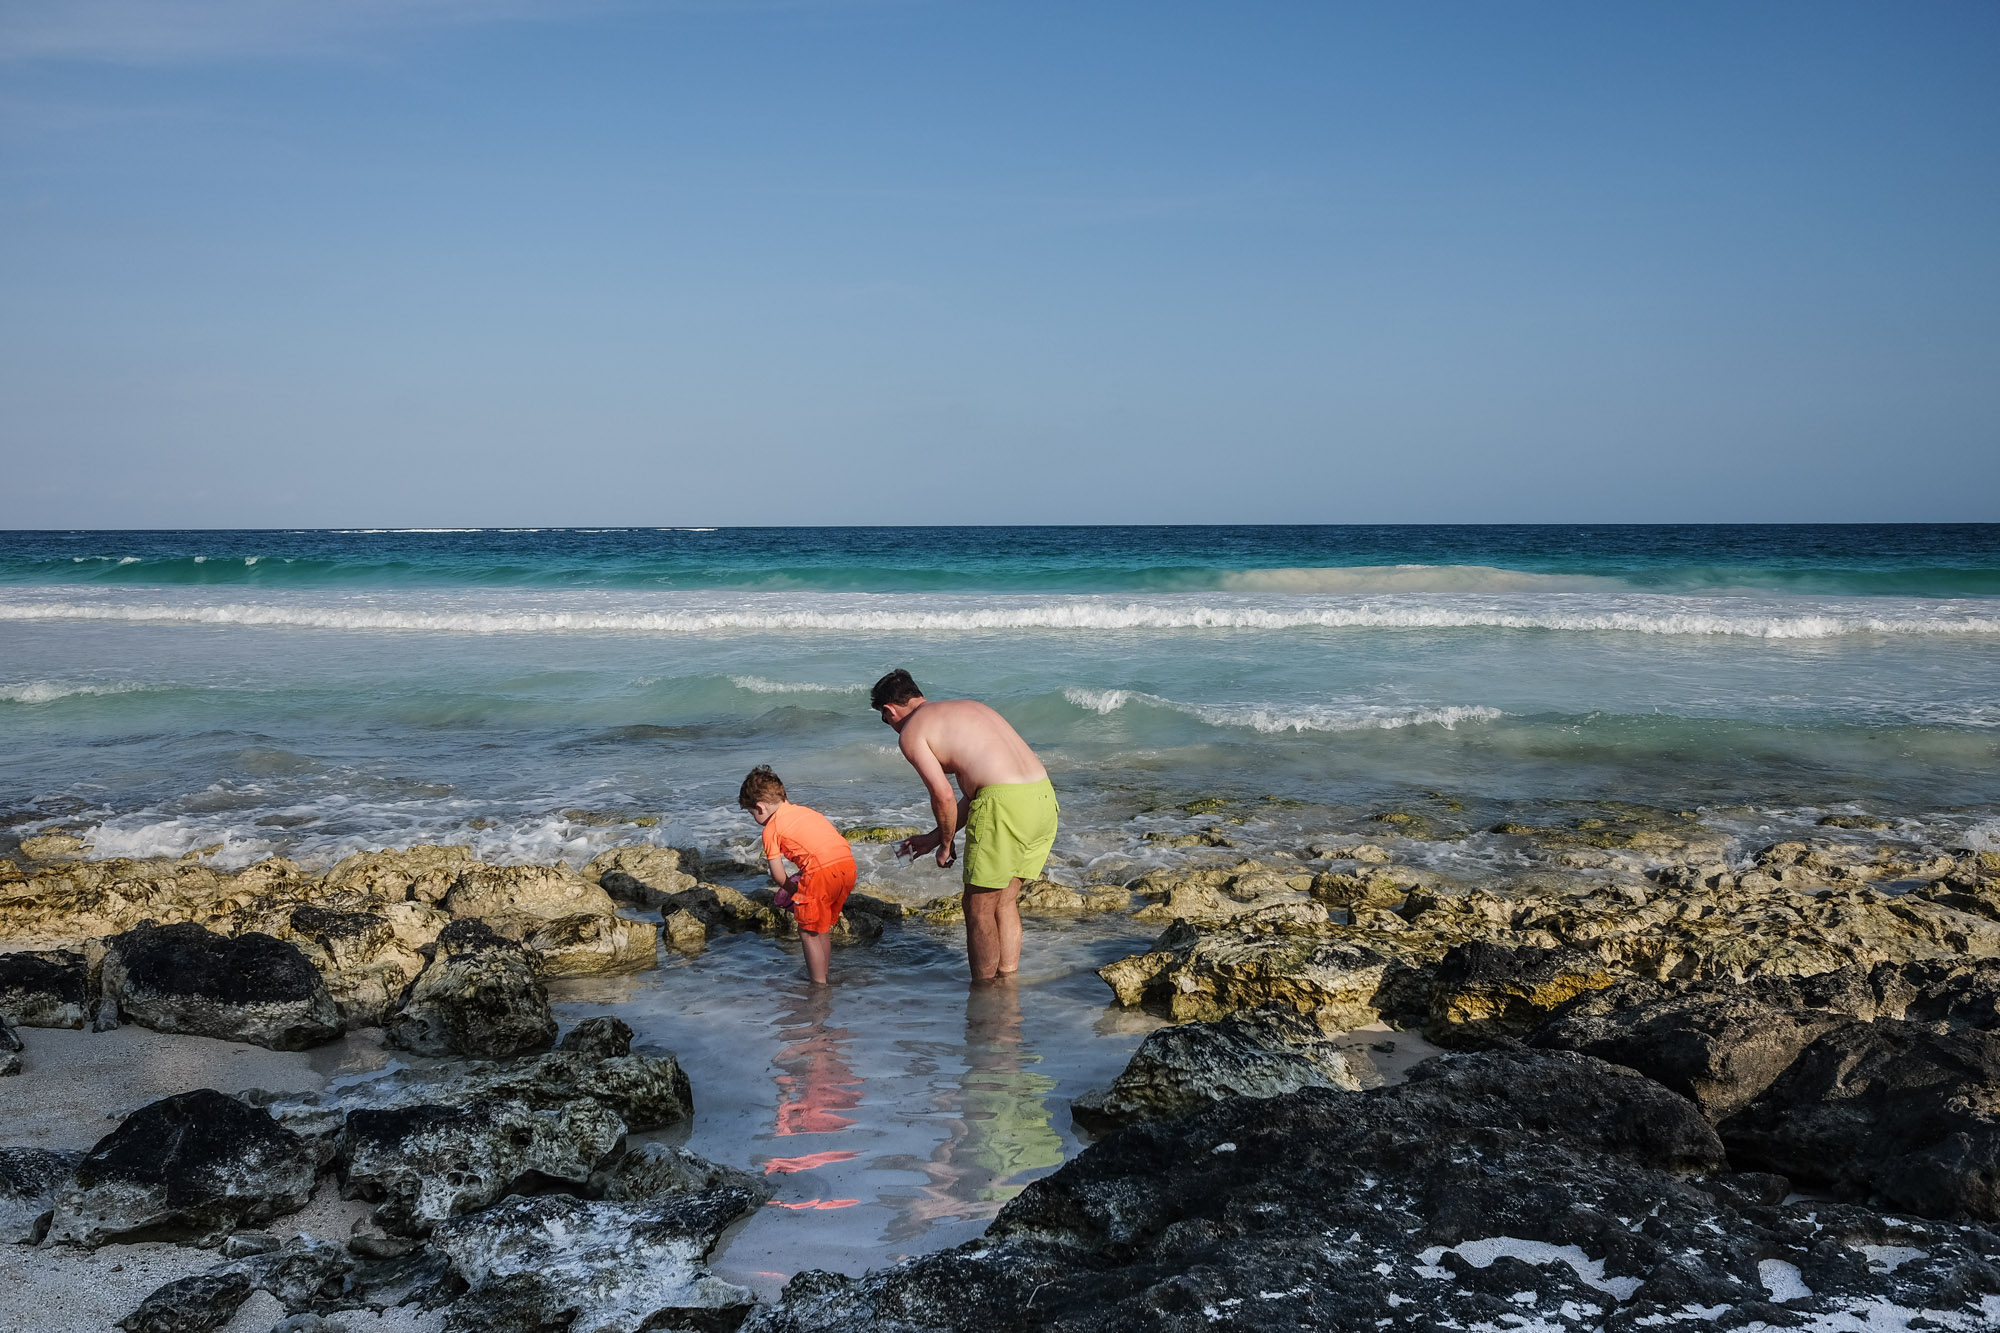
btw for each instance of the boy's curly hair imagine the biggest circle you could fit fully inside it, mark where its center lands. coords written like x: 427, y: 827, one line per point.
x: 761, y: 785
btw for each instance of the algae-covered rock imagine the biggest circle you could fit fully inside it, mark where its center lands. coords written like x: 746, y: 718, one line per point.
x: 1481, y: 990
x: 423, y: 873
x: 547, y: 892
x: 52, y: 846
x: 881, y: 833
x: 586, y: 945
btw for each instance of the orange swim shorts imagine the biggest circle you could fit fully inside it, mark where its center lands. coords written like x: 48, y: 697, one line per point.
x: 822, y: 894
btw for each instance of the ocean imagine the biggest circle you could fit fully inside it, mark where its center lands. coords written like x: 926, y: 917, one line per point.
x: 533, y: 692
x: 1197, y: 693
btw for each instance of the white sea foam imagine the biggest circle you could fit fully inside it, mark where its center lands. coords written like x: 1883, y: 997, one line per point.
x: 759, y: 685
x: 1411, y: 578
x: 1651, y: 615
x: 1273, y: 718
x: 1481, y: 1254
x: 48, y: 691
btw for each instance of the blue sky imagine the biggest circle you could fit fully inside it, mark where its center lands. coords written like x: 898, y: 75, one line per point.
x: 278, y: 262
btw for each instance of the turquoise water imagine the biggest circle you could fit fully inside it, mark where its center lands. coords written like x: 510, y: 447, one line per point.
x: 526, y: 691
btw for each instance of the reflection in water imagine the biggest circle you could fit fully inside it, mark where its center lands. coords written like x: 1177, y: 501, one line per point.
x: 1001, y: 1131
x: 814, y: 1081
x: 815, y: 1084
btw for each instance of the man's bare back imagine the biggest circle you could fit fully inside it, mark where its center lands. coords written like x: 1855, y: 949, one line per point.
x: 969, y: 741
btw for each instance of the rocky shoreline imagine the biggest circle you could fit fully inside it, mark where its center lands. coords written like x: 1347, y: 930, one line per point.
x: 1688, y: 1083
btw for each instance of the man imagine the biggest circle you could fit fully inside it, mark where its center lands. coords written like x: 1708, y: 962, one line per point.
x: 1008, y: 810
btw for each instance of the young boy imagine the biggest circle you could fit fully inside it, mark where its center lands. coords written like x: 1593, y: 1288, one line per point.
x: 809, y: 841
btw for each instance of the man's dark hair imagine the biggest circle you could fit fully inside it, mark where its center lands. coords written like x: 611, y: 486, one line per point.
x: 894, y: 688
x: 761, y: 785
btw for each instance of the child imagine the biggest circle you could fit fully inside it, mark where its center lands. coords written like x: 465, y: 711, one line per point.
x: 809, y: 841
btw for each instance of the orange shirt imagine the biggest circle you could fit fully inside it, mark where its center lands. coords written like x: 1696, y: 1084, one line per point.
x: 806, y: 838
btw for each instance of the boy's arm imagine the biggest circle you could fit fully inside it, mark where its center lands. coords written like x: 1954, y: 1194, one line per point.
x: 778, y: 875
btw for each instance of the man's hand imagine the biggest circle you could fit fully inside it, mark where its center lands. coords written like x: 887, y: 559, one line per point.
x: 927, y: 842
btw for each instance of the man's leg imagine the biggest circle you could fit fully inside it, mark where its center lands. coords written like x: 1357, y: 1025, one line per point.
x: 1008, y: 913
x: 993, y: 930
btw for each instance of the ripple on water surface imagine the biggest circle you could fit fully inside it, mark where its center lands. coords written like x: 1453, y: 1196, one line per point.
x: 894, y: 1111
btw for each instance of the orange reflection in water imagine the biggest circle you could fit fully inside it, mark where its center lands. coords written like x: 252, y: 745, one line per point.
x: 815, y: 1204
x: 787, y: 1165
x: 815, y: 1083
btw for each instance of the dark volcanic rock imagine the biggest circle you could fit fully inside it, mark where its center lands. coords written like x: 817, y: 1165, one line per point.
x: 1252, y: 1053
x: 252, y: 987
x: 560, y: 1263
x: 1498, y: 1190
x: 302, y: 1275
x: 659, y: 1170
x: 600, y: 1036
x: 30, y: 1180
x: 44, y: 990
x: 1717, y: 1046
x: 1888, y: 1110
x: 10, y: 1049
x: 478, y: 995
x: 191, y: 1305
x: 191, y: 1166
x: 424, y: 1164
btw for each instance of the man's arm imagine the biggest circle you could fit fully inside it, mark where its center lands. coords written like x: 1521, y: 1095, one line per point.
x: 946, y: 804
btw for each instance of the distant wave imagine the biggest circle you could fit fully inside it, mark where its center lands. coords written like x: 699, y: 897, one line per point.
x: 759, y: 685
x: 1275, y: 718
x: 48, y: 691
x: 1633, y: 614
x: 1412, y: 578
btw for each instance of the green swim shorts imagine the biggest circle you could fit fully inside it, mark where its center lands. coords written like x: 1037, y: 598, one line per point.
x: 1008, y: 833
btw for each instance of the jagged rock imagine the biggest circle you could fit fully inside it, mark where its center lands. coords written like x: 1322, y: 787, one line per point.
x: 1045, y: 897
x: 683, y: 931
x: 1717, y: 1043
x: 586, y: 945
x: 424, y: 873
x: 10, y: 1049
x: 1889, y: 1110
x: 196, y: 1164
x: 593, y: 1267
x: 603, y: 1037
x: 182, y: 978
x: 646, y: 1092
x: 545, y: 892
x: 190, y: 1305
x: 44, y: 990
x: 642, y: 876
x: 303, y: 1274
x: 366, y: 961
x: 1256, y: 1053
x: 425, y: 1163
x: 657, y: 1171
x: 51, y: 846
x: 1343, y: 984
x: 1490, y: 1191
x: 719, y: 907
x: 30, y: 1180
x: 243, y: 1244
x: 478, y: 995
x: 1481, y: 991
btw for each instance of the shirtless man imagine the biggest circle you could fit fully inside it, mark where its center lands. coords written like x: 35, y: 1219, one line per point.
x: 1008, y: 810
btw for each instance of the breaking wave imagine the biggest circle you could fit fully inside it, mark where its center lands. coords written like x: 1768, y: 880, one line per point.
x: 1631, y: 614
x: 1275, y: 718
x: 759, y: 685
x: 48, y: 691
x: 1375, y: 579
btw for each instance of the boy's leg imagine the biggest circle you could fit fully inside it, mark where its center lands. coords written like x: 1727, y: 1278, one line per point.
x: 818, y: 947
x: 993, y: 930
